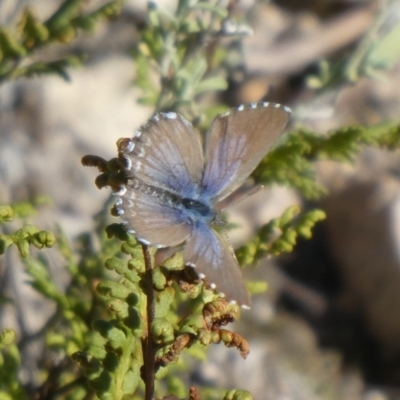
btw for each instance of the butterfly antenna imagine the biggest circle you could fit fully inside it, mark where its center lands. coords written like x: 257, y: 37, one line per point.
x: 228, y: 243
x: 240, y: 198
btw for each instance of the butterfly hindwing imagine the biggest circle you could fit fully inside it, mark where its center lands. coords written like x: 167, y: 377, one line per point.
x: 151, y: 216
x: 212, y: 256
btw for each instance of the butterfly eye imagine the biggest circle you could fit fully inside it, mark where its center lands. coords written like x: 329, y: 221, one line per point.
x: 190, y: 203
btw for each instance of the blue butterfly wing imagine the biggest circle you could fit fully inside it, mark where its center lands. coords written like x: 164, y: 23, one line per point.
x: 165, y: 153
x: 214, y: 260
x: 163, y: 163
x: 236, y: 143
x: 151, y: 216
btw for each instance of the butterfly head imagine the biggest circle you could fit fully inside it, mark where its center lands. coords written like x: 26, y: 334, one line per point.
x: 199, y: 210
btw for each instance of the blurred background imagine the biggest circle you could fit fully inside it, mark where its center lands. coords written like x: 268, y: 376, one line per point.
x: 329, y: 325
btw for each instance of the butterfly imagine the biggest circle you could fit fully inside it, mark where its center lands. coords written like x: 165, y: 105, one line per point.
x: 175, y: 187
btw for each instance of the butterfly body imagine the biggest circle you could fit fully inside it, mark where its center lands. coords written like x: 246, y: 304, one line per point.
x: 174, y: 186
x: 199, y: 210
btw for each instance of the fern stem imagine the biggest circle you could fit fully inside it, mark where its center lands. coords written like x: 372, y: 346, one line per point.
x: 149, y: 359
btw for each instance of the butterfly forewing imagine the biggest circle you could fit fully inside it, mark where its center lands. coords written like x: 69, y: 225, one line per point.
x: 236, y: 143
x: 212, y: 256
x: 166, y: 152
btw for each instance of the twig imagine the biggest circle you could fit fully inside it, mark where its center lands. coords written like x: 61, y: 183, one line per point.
x: 149, y: 353
x: 296, y: 54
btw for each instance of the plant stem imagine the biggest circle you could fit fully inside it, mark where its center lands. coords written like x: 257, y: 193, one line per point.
x: 149, y: 359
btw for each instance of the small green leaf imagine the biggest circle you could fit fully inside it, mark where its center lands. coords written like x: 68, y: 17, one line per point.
x: 238, y: 395
x: 159, y: 279
x: 213, y: 84
x: 162, y: 331
x: 7, y: 337
x: 6, y: 214
x: 10, y: 46
x: 174, y: 263
x: 23, y: 248
x: 163, y: 301
x: 133, y: 320
x: 33, y: 30
x: 257, y: 287
x: 5, y: 242
x: 102, y: 384
x: 192, y: 324
x: 131, y: 380
x: 109, y: 331
x: 63, y: 16
x: 113, y: 289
